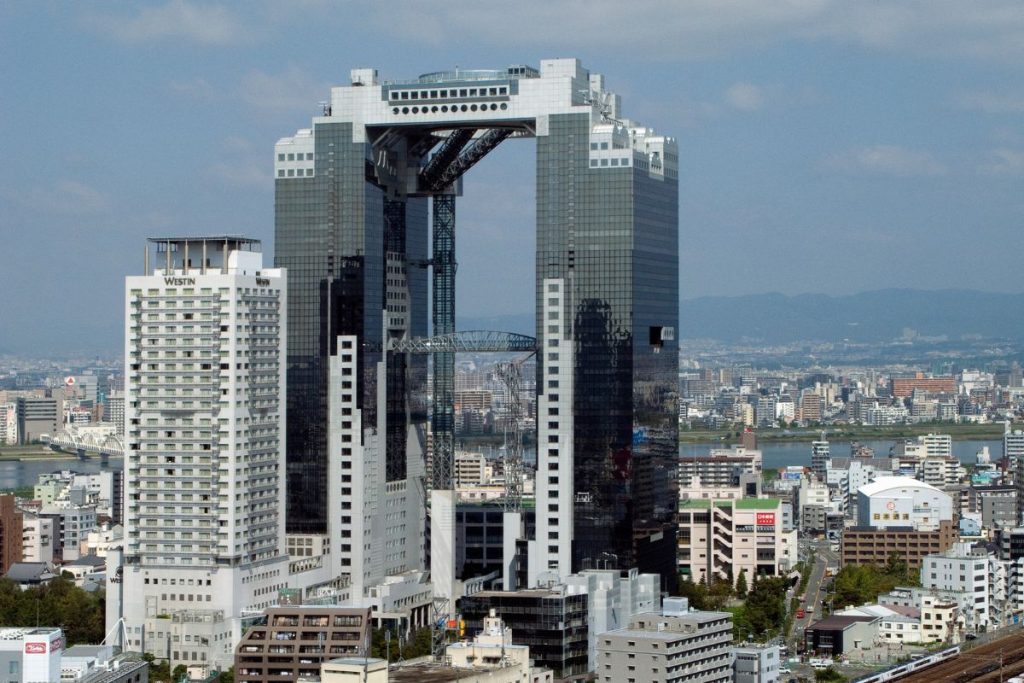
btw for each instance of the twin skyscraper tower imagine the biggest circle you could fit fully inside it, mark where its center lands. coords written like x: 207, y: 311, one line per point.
x: 356, y: 195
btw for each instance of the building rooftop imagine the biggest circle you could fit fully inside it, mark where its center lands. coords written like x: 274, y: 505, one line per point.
x: 883, y: 484
x: 739, y: 503
x: 88, y: 561
x: 233, y: 240
x: 757, y: 503
x: 431, y: 673
x: 23, y: 572
x: 837, y: 621
x: 525, y: 593
x: 648, y: 634
x: 696, y: 615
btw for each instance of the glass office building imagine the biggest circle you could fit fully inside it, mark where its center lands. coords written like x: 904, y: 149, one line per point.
x: 352, y: 229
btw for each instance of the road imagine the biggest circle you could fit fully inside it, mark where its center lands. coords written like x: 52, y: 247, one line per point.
x: 823, y: 557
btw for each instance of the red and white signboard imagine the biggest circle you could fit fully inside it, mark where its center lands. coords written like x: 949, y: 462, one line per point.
x: 35, y: 648
x: 766, y: 519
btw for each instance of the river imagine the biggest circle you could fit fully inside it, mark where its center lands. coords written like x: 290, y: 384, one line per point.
x: 778, y: 455
x: 18, y: 473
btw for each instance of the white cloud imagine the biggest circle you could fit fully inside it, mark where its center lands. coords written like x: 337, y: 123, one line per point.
x: 242, y: 165
x: 669, y: 29
x: 1004, y: 161
x: 242, y: 173
x: 992, y: 102
x: 198, y: 88
x: 206, y: 24
x: 887, y: 160
x: 69, y: 197
x: 80, y: 198
x: 293, y: 89
x: 745, y: 96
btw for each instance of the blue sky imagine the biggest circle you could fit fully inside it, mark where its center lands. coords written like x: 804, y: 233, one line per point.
x: 825, y: 146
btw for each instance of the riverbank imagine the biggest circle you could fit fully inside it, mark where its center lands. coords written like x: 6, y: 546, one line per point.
x: 32, y: 453
x: 958, y: 432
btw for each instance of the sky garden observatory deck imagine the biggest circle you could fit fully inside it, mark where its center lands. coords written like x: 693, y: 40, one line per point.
x: 365, y: 214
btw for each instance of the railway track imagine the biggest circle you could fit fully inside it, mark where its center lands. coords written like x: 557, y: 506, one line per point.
x: 999, y: 660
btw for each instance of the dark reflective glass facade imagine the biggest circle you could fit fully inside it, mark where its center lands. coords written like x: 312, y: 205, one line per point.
x: 612, y: 233
x: 330, y: 234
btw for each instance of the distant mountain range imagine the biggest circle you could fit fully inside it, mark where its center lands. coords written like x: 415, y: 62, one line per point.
x: 869, y: 316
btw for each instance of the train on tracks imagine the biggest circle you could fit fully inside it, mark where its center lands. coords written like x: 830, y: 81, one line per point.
x: 911, y: 667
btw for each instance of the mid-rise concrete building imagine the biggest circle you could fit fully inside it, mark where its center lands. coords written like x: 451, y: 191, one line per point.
x: 39, y: 415
x: 612, y: 599
x: 962, y: 570
x: 204, y: 448
x: 37, y: 538
x: 291, y: 642
x: 721, y: 467
x: 114, y: 412
x: 71, y: 525
x: 726, y: 538
x: 868, y: 545
x: 904, y: 387
x: 11, y: 533
x: 670, y: 646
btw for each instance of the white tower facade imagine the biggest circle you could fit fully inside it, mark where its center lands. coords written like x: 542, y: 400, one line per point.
x: 205, y: 349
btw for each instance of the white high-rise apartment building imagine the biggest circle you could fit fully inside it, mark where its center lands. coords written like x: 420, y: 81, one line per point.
x: 205, y: 348
x: 8, y: 424
x: 1013, y: 445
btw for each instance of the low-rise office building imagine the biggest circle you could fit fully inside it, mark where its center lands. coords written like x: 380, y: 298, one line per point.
x: 756, y: 664
x: 837, y: 635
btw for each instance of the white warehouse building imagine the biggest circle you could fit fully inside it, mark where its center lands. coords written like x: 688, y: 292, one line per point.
x: 901, y: 502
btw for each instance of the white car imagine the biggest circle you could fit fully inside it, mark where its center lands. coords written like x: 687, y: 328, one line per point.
x: 785, y: 670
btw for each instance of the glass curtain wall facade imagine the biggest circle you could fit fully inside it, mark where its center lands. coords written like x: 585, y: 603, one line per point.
x: 612, y: 233
x: 331, y: 233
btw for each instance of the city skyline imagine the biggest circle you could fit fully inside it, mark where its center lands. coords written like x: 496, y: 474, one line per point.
x: 820, y: 138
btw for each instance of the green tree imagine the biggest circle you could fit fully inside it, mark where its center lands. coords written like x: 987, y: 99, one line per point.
x: 741, y: 585
x: 719, y: 593
x: 58, y: 603
x: 159, y: 671
x: 179, y: 672
x: 858, y: 584
x: 828, y: 675
x: 765, y: 606
x: 227, y: 676
x: 695, y: 593
x: 418, y: 644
